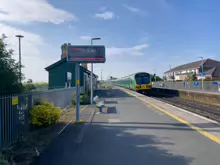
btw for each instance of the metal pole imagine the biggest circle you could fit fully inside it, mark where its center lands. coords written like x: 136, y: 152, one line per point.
x: 91, y: 85
x: 202, y: 72
x: 77, y: 93
x: 91, y: 77
x: 19, y: 43
x: 101, y: 74
x: 19, y: 39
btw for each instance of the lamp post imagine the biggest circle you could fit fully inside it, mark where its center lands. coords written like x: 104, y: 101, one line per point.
x: 202, y: 71
x: 91, y: 77
x: 19, y: 40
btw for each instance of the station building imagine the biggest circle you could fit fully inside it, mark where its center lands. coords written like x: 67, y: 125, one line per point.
x: 61, y: 74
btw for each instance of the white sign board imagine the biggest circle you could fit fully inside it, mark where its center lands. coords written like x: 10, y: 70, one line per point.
x: 69, y: 76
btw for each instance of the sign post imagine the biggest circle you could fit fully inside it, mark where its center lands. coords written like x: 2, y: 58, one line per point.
x: 155, y: 77
x: 202, y: 75
x: 77, y: 72
x: 83, y: 54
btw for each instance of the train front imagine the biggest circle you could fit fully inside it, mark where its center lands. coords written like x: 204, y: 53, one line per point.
x: 143, y: 82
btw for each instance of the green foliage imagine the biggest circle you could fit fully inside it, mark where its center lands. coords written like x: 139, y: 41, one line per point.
x: 208, y: 79
x: 9, y: 71
x: 84, y: 99
x: 74, y: 99
x: 191, y: 77
x: 157, y: 78
x: 3, y: 160
x: 41, y: 85
x: 44, y: 114
x: 30, y: 86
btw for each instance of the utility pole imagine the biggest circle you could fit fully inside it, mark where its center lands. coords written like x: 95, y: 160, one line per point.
x: 101, y: 74
x: 202, y: 71
x: 173, y: 72
x: 155, y: 75
x: 91, y: 76
x: 19, y: 40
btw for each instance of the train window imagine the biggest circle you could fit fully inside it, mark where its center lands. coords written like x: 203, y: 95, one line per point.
x: 138, y: 80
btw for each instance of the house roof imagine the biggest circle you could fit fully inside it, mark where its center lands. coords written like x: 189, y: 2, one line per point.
x: 63, y: 61
x: 210, y: 71
x: 191, y: 65
x: 55, y: 64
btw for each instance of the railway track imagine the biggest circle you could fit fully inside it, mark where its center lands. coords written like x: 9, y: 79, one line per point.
x: 203, y: 109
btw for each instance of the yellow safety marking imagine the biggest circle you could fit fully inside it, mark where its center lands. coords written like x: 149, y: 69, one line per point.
x: 200, y: 130
x: 14, y: 100
x: 77, y: 82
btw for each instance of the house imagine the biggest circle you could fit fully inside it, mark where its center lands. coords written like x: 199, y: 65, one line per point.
x: 61, y: 74
x: 211, y: 69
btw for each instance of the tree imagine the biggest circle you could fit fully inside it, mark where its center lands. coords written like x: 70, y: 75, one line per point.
x: 9, y: 71
x: 29, y: 86
x: 157, y: 78
x: 191, y: 77
x: 29, y: 81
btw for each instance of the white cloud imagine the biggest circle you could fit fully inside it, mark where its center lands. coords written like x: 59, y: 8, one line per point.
x: 34, y: 50
x: 107, y: 15
x: 33, y: 58
x: 86, y: 38
x: 133, y: 51
x: 135, y: 10
x: 32, y: 10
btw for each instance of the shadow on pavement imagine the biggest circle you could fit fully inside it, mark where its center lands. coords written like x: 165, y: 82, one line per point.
x: 111, y: 102
x: 178, y: 125
x: 116, y: 145
x: 111, y: 93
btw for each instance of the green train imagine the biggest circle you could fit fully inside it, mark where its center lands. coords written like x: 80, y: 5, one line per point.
x: 140, y: 82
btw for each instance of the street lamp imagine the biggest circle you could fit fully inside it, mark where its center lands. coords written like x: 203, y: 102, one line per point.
x: 91, y: 77
x: 19, y: 39
x: 202, y: 71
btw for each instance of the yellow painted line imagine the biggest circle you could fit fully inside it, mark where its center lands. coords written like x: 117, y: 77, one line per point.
x: 200, y: 130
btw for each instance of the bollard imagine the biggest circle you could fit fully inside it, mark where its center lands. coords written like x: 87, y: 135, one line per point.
x: 100, y: 105
x: 100, y: 109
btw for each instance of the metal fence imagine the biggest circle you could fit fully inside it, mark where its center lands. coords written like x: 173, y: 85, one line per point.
x: 14, y: 111
x: 208, y: 86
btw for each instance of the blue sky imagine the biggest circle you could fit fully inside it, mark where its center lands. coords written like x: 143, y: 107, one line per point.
x: 140, y: 35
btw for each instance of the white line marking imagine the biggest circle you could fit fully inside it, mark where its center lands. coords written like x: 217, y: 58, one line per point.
x: 64, y: 127
x: 70, y: 121
x: 114, y: 120
x: 197, y: 115
x: 37, y: 152
x: 183, y: 110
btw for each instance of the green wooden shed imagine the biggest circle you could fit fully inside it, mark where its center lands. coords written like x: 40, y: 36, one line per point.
x: 57, y: 73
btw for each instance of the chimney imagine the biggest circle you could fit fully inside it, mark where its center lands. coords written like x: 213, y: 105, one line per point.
x: 84, y: 65
x: 64, y: 50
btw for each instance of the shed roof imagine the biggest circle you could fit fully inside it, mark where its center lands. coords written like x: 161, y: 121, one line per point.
x: 64, y: 61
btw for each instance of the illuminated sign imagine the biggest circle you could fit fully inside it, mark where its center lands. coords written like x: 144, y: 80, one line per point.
x: 86, y: 54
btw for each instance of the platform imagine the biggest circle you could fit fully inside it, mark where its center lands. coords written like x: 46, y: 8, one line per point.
x: 136, y: 130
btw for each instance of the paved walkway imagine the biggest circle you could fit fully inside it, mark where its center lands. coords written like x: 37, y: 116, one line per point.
x: 130, y: 132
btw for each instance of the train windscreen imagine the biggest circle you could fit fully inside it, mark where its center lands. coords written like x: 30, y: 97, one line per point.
x: 142, y: 78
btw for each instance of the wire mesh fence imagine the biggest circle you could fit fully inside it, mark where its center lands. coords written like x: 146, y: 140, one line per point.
x: 208, y: 86
x: 15, y: 111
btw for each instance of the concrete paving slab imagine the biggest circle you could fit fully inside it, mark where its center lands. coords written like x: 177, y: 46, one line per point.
x: 137, y: 135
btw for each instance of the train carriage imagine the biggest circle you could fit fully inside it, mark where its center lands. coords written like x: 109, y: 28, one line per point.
x: 140, y: 82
